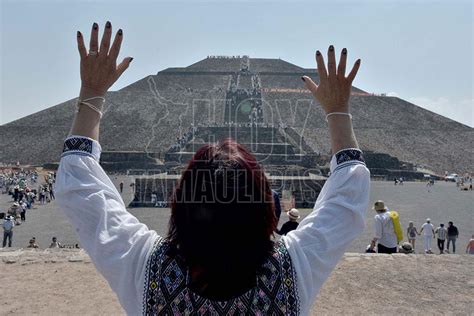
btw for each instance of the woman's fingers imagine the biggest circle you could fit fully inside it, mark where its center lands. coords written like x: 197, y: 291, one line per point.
x: 99, y: 74
x: 331, y: 62
x: 80, y: 45
x: 341, y: 69
x: 105, y: 42
x: 123, y: 66
x: 310, y: 85
x: 334, y: 89
x: 323, y: 74
x: 354, y: 70
x: 115, y: 49
x: 94, y: 42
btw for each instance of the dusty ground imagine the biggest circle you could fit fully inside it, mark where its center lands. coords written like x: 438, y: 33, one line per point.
x: 66, y: 283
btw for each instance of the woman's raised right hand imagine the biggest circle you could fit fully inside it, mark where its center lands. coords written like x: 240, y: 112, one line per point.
x: 99, y: 69
x: 334, y: 89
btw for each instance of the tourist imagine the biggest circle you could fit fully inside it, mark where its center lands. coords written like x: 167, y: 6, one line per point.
x: 430, y: 184
x: 411, y: 233
x: 23, y: 207
x: 14, y: 209
x: 276, y: 201
x: 453, y: 234
x: 429, y: 234
x: 32, y: 243
x: 51, y: 192
x: 54, y: 243
x: 47, y: 194
x: 30, y: 199
x: 8, y: 225
x: 154, y: 198
x: 219, y: 239
x: 442, y: 233
x: 18, y: 219
x: 121, y: 186
x: 406, y: 248
x: 16, y: 192
x: 384, y: 236
x: 470, y: 246
x: 291, y: 224
x: 42, y: 195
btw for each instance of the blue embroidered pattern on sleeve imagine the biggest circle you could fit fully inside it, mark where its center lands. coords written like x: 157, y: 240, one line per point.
x: 349, y: 155
x: 78, y: 144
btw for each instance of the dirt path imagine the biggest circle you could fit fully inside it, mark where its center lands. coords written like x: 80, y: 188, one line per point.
x: 66, y: 283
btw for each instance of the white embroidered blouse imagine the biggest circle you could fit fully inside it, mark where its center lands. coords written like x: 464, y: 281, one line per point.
x: 119, y: 245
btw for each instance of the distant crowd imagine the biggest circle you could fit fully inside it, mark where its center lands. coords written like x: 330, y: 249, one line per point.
x: 251, y: 123
x: 388, y: 234
x: 55, y: 244
x: 26, y: 190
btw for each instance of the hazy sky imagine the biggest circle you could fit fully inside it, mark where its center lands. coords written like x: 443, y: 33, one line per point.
x: 421, y: 51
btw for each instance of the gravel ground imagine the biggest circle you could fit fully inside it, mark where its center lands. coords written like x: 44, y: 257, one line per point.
x: 64, y: 282
x: 444, y: 202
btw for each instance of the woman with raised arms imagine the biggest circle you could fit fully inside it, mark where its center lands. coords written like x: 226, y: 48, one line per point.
x: 219, y: 256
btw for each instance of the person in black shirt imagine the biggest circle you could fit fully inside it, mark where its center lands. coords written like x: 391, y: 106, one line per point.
x: 276, y: 200
x: 453, y: 234
x: 292, y: 224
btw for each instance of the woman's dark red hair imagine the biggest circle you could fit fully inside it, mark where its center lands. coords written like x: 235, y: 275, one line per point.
x: 222, y: 218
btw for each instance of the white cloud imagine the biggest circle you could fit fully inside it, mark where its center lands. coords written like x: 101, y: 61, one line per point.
x: 458, y: 110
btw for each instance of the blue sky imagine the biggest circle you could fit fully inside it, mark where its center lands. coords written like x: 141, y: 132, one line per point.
x: 421, y: 51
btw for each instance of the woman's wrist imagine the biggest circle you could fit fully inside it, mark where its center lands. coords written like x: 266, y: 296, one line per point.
x: 343, y: 108
x: 341, y: 133
x: 89, y: 113
x: 346, y: 114
x: 87, y: 93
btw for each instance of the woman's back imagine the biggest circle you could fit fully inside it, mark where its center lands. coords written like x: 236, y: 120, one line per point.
x: 411, y: 231
x: 168, y: 287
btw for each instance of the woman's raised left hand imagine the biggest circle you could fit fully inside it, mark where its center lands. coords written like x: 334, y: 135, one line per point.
x: 99, y: 69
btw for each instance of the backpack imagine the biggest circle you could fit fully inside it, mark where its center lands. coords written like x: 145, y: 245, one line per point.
x: 396, y: 225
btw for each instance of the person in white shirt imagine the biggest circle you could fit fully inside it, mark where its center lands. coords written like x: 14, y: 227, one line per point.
x: 384, y: 235
x: 24, y: 207
x: 152, y: 274
x: 442, y: 233
x: 55, y: 243
x: 428, y: 234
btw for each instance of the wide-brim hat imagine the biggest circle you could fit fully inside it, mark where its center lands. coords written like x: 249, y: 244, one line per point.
x: 380, y: 206
x: 294, y: 214
x: 16, y: 204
